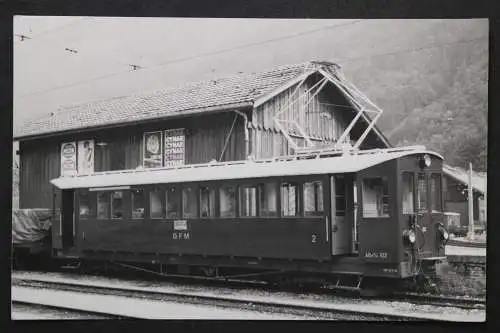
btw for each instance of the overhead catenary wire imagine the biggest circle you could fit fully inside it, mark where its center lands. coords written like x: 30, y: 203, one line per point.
x: 249, y: 45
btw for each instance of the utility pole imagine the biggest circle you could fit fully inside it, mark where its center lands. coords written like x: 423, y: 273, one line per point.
x: 471, y: 205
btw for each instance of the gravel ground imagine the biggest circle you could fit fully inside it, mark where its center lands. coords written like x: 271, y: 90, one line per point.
x: 286, y: 297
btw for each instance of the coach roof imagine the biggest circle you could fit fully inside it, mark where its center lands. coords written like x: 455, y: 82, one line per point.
x: 238, y: 170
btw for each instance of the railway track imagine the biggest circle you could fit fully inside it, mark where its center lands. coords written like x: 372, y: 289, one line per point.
x: 35, y: 310
x: 298, y: 308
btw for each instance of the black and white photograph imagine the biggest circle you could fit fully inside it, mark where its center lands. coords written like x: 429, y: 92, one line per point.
x: 249, y: 168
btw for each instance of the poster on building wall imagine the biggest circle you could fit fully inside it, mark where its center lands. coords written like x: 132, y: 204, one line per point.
x: 68, y: 159
x: 175, y: 141
x: 86, y: 157
x: 153, y: 148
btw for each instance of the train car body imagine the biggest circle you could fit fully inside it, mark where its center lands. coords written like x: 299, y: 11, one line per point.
x: 376, y: 213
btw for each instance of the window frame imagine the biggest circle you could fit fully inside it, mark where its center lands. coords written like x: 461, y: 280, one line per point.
x: 298, y: 195
x: 195, y: 187
x: 161, y: 190
x: 108, y: 205
x: 388, y: 196
x: 145, y: 202
x: 91, y: 206
x: 210, y: 186
x: 417, y: 193
x: 178, y: 191
x: 241, y: 188
x: 414, y: 185
x: 125, y: 211
x: 219, y: 188
x: 439, y: 192
x: 261, y: 187
x: 316, y: 213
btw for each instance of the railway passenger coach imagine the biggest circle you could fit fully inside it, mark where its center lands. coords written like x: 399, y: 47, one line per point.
x: 375, y: 213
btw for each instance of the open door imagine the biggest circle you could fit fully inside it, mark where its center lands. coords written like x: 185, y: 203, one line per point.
x: 341, y: 224
x: 67, y: 218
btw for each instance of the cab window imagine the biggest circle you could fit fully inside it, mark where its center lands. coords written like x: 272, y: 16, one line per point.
x: 313, y: 198
x: 117, y: 205
x: 421, y: 193
x: 103, y: 205
x: 137, y: 203
x: 408, y: 191
x: 375, y: 197
x: 207, y: 201
x: 289, y: 199
x: 248, y: 201
x: 436, y: 193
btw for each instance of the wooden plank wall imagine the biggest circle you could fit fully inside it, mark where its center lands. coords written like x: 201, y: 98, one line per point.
x: 268, y: 140
x: 205, y: 138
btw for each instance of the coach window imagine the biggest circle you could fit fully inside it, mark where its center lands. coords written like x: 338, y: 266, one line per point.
x: 85, y: 208
x: 156, y: 204
x: 375, y: 197
x: 117, y: 205
x: 173, y: 201
x: 421, y: 193
x: 289, y: 199
x: 408, y: 190
x: 227, y: 201
x: 248, y: 201
x: 103, y: 205
x: 268, y: 199
x: 313, y: 198
x: 340, y: 202
x: 189, y: 202
x: 207, y: 201
x: 436, y: 193
x: 138, y: 203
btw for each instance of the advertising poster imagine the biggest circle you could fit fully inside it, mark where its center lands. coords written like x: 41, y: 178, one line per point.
x: 153, y: 147
x: 174, y: 147
x: 68, y: 159
x: 86, y: 157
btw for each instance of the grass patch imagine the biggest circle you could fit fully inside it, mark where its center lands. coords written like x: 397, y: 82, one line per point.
x: 455, y: 280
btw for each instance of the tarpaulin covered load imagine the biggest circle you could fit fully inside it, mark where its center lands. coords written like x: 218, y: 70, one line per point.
x: 30, y: 225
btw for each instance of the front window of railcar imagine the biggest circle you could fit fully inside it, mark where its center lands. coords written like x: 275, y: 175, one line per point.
x: 422, y: 193
x: 408, y: 191
x: 375, y: 197
x: 436, y: 193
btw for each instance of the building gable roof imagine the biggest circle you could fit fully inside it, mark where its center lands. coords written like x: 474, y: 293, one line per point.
x: 462, y: 176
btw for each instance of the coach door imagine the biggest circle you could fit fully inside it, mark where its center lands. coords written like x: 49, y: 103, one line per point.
x: 341, y: 225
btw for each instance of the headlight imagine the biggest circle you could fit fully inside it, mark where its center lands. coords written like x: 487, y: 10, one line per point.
x: 409, y: 236
x: 443, y: 233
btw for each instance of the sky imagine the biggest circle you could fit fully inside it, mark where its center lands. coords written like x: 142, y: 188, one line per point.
x: 71, y: 60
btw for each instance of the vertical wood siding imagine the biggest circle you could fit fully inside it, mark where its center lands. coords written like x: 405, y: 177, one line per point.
x: 268, y: 141
x: 205, y: 138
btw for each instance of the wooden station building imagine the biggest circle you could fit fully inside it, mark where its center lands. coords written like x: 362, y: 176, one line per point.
x: 225, y: 119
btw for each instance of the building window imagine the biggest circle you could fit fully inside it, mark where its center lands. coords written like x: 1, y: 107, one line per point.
x: 313, y: 198
x: 117, y: 205
x: 248, y: 201
x: 436, y: 193
x: 103, y: 205
x: 189, y: 202
x: 85, y: 208
x: 421, y: 193
x: 268, y: 199
x: 227, y: 201
x: 408, y: 190
x: 172, y: 199
x: 110, y: 156
x: 156, y: 204
x: 289, y: 199
x: 138, y: 203
x: 375, y: 197
x: 340, y: 202
x: 207, y: 201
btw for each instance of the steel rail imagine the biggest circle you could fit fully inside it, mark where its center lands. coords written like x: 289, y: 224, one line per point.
x: 338, y: 311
